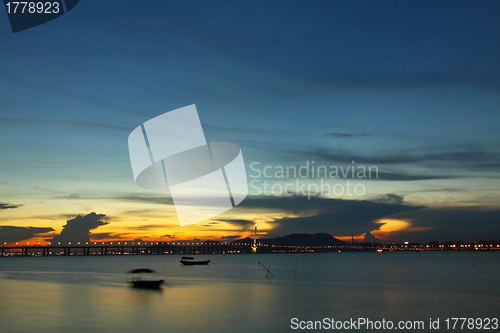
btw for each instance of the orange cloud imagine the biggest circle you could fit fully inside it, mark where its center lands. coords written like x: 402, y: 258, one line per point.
x: 391, y: 227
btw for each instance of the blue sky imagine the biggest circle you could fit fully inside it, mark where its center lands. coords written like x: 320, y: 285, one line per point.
x: 412, y: 87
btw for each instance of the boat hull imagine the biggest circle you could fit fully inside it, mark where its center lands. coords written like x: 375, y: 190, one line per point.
x: 193, y: 262
x: 147, y: 284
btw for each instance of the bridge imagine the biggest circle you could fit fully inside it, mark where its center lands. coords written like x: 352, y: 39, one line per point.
x: 121, y: 249
x: 127, y: 248
x: 89, y: 249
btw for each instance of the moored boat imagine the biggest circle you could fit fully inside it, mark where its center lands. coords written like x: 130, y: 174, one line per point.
x: 144, y: 284
x: 194, y: 262
x: 147, y: 284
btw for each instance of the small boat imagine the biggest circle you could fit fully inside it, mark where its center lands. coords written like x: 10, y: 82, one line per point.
x: 145, y: 284
x: 194, y: 262
x: 187, y: 258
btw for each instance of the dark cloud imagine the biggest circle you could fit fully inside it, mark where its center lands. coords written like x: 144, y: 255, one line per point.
x: 444, y: 163
x: 470, y: 158
x: 104, y: 235
x: 230, y: 238
x: 401, y: 176
x: 143, y: 213
x: 338, y: 135
x: 120, y: 196
x: 343, y: 217
x: 145, y: 227
x: 50, y: 122
x: 111, y: 235
x: 389, y: 198
x: 334, y: 216
x: 211, y: 224
x: 452, y: 223
x: 240, y: 223
x: 54, y: 217
x: 15, y: 234
x: 144, y: 198
x: 8, y: 206
x: 78, y: 229
x: 437, y: 165
x: 168, y: 236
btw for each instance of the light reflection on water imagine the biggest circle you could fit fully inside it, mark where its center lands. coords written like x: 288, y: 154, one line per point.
x: 83, y: 294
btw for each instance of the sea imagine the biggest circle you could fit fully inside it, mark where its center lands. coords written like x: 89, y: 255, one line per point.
x: 235, y: 293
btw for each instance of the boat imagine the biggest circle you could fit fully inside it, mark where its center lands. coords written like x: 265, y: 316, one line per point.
x: 137, y: 282
x: 147, y: 284
x: 194, y: 262
x: 187, y: 258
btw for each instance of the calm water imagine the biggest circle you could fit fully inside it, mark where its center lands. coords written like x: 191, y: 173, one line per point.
x: 232, y: 294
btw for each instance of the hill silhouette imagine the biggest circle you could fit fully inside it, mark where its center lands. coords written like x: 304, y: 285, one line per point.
x: 319, y: 239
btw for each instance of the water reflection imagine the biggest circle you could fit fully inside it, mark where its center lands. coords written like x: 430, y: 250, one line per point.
x: 234, y: 292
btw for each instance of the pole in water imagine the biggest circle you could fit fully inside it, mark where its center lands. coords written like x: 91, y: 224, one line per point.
x: 266, y: 268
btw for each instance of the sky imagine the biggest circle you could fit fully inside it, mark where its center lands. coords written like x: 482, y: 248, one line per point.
x: 411, y: 89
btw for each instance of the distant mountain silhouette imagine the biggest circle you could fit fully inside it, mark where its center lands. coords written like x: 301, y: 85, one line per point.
x: 320, y: 239
x: 369, y: 238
